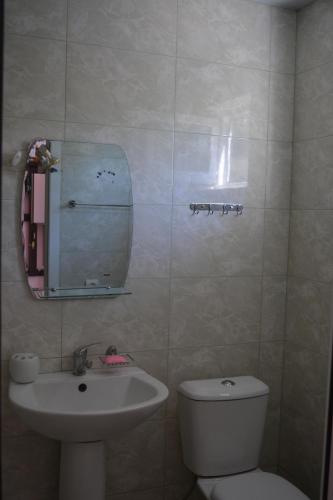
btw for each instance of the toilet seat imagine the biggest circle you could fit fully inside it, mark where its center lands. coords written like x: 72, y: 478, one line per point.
x: 256, y: 485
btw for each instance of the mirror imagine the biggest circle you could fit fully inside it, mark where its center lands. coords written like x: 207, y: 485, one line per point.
x: 76, y: 219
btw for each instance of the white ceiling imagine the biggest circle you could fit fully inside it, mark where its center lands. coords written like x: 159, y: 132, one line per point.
x: 288, y: 4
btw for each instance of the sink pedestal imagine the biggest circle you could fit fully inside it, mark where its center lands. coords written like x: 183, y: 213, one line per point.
x: 82, y: 471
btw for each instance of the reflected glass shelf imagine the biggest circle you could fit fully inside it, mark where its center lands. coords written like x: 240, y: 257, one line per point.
x: 79, y: 293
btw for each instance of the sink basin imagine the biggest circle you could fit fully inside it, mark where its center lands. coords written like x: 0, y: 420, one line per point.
x: 92, y: 407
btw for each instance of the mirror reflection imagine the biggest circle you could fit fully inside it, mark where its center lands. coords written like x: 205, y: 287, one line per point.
x: 76, y: 219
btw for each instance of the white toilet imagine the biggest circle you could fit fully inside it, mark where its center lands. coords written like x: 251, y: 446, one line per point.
x: 221, y: 425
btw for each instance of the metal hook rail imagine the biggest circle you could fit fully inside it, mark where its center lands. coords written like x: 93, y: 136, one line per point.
x: 224, y: 208
x: 73, y: 204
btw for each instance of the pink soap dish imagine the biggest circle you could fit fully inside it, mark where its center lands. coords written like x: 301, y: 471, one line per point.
x: 115, y: 360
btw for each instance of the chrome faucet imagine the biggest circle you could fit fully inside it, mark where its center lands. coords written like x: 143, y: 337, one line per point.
x: 80, y: 362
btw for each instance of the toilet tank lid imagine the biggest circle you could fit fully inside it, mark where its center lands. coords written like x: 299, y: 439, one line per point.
x: 217, y: 389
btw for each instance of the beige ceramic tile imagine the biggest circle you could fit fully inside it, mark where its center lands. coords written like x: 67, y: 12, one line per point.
x: 313, y: 174
x: 42, y: 94
x: 313, y: 103
x: 113, y: 87
x: 219, y: 169
x: 29, y: 324
x: 135, y: 459
x: 281, y: 107
x: 42, y: 18
x: 283, y: 42
x: 221, y: 100
x: 144, y: 25
x: 276, y: 241
x: 217, y: 245
x: 279, y: 163
x: 30, y: 464
x: 273, y: 308
x: 215, y: 30
x: 150, y: 256
x: 309, y: 314
x: 311, y: 251
x: 314, y: 36
x: 175, y: 470
x: 214, y: 311
x: 132, y: 322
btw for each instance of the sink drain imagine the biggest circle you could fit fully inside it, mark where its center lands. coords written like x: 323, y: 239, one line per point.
x: 82, y: 387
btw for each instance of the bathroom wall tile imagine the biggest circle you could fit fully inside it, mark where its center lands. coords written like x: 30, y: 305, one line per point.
x: 30, y: 464
x: 43, y: 91
x: 210, y: 311
x: 210, y: 30
x: 12, y: 266
x: 145, y: 25
x: 28, y: 324
x: 278, y: 174
x: 270, y: 449
x: 175, y: 470
x: 149, y: 154
x: 313, y: 174
x: 204, y: 362
x: 217, y: 245
x: 281, y: 107
x: 283, y: 40
x: 151, y: 242
x: 50, y: 365
x: 111, y: 87
x: 314, y: 40
x: 270, y: 371
x: 305, y: 397
x: 183, y: 490
x: 238, y: 359
x: 11, y: 424
x: 273, y: 308
x: 219, y: 169
x: 221, y: 100
x: 309, y: 314
x: 10, y: 225
x: 45, y: 19
x: 311, y: 251
x: 295, y: 443
x: 135, y: 459
x: 12, y: 180
x: 276, y: 241
x: 154, y: 494
x: 132, y: 322
x: 313, y: 105
x: 153, y: 362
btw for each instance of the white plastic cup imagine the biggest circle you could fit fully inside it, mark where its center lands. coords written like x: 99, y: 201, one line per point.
x: 24, y: 367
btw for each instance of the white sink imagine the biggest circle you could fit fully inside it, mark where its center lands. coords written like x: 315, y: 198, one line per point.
x: 92, y: 407
x: 82, y: 412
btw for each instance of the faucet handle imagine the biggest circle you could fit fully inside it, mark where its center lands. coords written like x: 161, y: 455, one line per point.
x: 84, y: 348
x: 111, y: 350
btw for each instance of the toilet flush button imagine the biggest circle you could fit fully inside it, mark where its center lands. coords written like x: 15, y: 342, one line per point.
x: 228, y: 383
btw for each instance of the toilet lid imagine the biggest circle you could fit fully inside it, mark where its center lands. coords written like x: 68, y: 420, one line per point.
x: 256, y: 486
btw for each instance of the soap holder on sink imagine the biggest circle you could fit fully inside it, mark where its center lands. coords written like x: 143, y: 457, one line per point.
x: 116, y: 360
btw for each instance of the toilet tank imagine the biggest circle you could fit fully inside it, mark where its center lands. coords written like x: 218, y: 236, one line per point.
x: 221, y: 424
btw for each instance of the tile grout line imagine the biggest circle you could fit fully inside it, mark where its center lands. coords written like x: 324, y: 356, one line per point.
x: 285, y: 322
x: 269, y: 69
x: 265, y: 199
x: 170, y: 254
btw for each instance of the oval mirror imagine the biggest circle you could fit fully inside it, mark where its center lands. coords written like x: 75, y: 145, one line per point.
x: 76, y: 219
